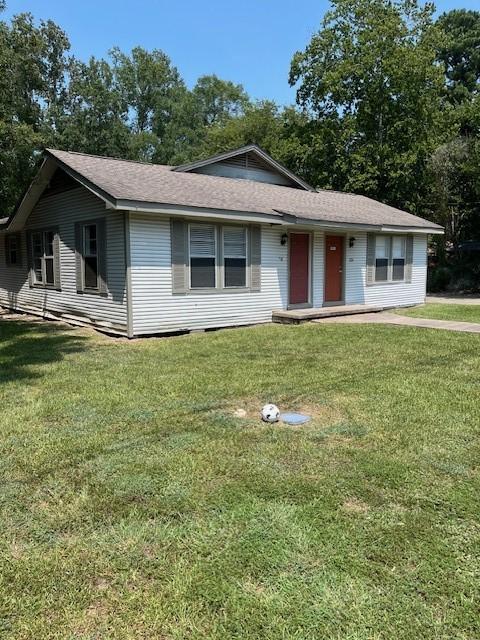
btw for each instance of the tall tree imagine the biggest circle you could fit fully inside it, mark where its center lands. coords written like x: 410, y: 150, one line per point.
x: 95, y: 116
x: 33, y: 62
x: 370, y: 79
x: 217, y: 100
x: 152, y: 90
x: 459, y: 51
x: 284, y: 133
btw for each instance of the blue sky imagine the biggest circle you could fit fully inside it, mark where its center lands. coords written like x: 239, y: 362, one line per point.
x: 250, y: 42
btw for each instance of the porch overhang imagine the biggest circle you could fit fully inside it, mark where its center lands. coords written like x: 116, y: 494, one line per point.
x: 290, y: 219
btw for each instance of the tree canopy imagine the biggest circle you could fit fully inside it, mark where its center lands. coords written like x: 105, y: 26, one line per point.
x: 388, y: 105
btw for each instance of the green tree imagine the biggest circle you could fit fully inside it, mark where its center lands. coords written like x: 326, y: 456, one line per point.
x: 454, y: 177
x: 454, y: 167
x: 217, y: 100
x: 33, y: 63
x: 284, y: 133
x: 370, y: 80
x: 95, y: 116
x: 459, y: 51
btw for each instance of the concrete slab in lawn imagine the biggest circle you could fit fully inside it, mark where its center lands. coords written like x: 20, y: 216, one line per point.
x: 392, y: 318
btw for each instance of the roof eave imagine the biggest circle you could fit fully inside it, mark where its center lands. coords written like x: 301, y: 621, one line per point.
x: 279, y: 218
x: 436, y: 230
x: 383, y: 228
x: 193, y: 211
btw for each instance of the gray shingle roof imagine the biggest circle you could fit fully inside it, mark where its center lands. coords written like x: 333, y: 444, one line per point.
x: 153, y: 183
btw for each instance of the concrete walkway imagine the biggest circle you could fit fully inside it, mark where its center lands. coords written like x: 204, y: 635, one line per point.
x: 393, y: 318
x: 451, y: 299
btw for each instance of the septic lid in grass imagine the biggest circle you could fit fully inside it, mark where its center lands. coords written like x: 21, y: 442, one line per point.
x: 294, y: 418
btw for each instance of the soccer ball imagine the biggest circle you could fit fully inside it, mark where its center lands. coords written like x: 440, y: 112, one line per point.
x: 270, y: 413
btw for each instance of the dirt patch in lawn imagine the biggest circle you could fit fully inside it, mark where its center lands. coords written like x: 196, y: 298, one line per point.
x: 322, y: 415
x: 354, y: 505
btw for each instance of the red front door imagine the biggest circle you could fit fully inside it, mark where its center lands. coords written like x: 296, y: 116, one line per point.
x: 333, y: 268
x: 299, y: 267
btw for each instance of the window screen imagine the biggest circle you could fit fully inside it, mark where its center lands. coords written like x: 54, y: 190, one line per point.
x: 235, y: 256
x: 381, y: 258
x: 202, y: 256
x: 398, y: 258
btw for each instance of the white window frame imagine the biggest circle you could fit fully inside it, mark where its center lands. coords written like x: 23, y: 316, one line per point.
x: 245, y: 257
x: 191, y: 255
x: 389, y: 257
x: 43, y: 258
x: 403, y: 257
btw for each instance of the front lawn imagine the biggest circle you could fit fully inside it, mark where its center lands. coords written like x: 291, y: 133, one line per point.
x: 455, y: 312
x: 135, y: 505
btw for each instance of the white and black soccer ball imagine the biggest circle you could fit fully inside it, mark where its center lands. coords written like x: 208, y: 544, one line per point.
x: 270, y: 413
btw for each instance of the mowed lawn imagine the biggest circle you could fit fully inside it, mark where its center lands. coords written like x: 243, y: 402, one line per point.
x: 439, y: 311
x: 135, y: 505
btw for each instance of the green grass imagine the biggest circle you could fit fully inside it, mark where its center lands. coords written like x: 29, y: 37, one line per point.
x: 134, y: 505
x: 456, y: 312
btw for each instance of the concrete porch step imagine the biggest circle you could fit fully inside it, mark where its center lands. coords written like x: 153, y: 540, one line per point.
x: 296, y: 316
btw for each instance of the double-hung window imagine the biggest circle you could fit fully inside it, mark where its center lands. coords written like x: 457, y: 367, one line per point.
x: 398, y: 258
x: 390, y: 257
x: 91, y: 259
x: 44, y: 250
x: 382, y: 256
x: 235, y: 256
x: 13, y: 250
x: 210, y: 257
x: 203, y: 256
x: 218, y: 256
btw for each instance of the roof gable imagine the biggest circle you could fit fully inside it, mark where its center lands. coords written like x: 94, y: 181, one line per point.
x: 247, y: 163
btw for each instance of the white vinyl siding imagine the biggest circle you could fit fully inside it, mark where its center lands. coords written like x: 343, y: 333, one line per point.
x: 154, y: 307
x: 390, y: 294
x: 61, y: 211
x: 156, y: 310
